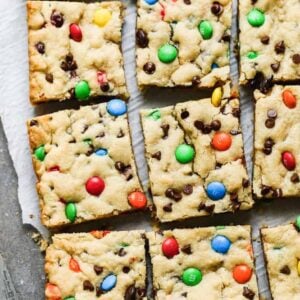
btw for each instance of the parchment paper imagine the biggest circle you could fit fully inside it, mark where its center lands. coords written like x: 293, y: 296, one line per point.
x: 15, y: 110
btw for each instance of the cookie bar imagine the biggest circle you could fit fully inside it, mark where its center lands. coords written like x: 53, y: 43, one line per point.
x: 281, y: 246
x: 268, y: 38
x: 183, y: 43
x: 84, y: 163
x: 216, y: 262
x: 97, y: 265
x: 195, y: 157
x: 74, y: 50
x: 277, y: 142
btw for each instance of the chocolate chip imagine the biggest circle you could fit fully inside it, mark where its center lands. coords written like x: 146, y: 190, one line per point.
x: 184, y: 294
x: 187, y: 189
x: 57, y: 19
x: 142, y: 38
x: 33, y: 123
x: 88, y: 286
x: 296, y: 59
x: 277, y: 193
x: 267, y: 151
x: 120, y: 134
x: 280, y: 47
x: 272, y: 114
x: 98, y: 270
x: 236, y: 112
x: 126, y: 269
x: 269, y: 143
x: 130, y: 293
x: 295, y: 178
x: 49, y: 77
x: 247, y: 293
x: 201, y: 206
x: 215, y: 125
x: 165, y: 128
x: 262, y: 83
x: 216, y: 8
x: 245, y: 183
x: 209, y: 208
x: 234, y: 132
x: 187, y: 249
x: 120, y: 166
x: 98, y: 292
x: 270, y: 123
x: 265, y: 40
x: 149, y: 68
x: 104, y: 87
x: 234, y: 197
x: 206, y: 129
x: 69, y: 64
x: 196, y: 80
x: 40, y: 47
x: 122, y: 252
x: 199, y: 125
x: 285, y: 270
x: 185, y: 114
x: 168, y: 207
x: 265, y: 190
x: 275, y: 67
x: 100, y: 135
x: 187, y: 2
x: 173, y: 194
x: 226, y: 37
x: 157, y: 155
x: 218, y: 165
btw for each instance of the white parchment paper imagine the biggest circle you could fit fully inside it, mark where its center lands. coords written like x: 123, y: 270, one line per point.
x: 15, y: 110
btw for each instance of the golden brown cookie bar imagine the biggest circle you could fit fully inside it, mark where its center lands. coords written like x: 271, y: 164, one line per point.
x: 183, y: 43
x: 96, y: 265
x: 281, y: 247
x: 74, y: 50
x: 268, y: 35
x: 277, y: 142
x: 212, y: 263
x: 84, y: 163
x: 195, y: 157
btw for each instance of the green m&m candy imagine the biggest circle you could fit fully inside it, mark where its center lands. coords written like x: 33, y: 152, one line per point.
x: 40, y: 153
x: 184, y: 153
x: 70, y: 298
x: 297, y: 223
x: 155, y: 114
x: 71, y: 211
x: 167, y: 53
x: 206, y: 29
x: 82, y: 90
x: 256, y: 17
x: 252, y: 54
x: 191, y: 276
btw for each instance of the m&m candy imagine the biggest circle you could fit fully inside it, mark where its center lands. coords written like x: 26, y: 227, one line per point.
x: 102, y: 16
x: 252, y: 54
x: 289, y: 99
x: 184, y: 153
x: 95, y: 185
x: 75, y: 32
x: 288, y: 160
x: 220, y: 244
x: 101, y: 152
x: 298, y: 267
x: 70, y: 298
x: 167, y: 53
x: 82, y: 90
x: 151, y: 2
x: 242, y: 273
x: 191, y: 276
x: 221, y: 141
x: 206, y: 29
x: 137, y: 199
x: 170, y: 247
x: 71, y: 211
x: 155, y: 114
x: 215, y: 190
x: 216, y: 97
x: 116, y: 107
x: 52, y: 291
x: 256, y: 17
x: 40, y: 153
x: 297, y: 223
x: 74, y: 265
x: 108, y: 283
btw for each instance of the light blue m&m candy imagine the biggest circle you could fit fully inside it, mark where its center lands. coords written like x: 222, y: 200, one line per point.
x: 151, y: 2
x: 215, y: 190
x: 214, y: 66
x: 108, y: 283
x: 116, y: 107
x: 101, y: 152
x: 221, y: 244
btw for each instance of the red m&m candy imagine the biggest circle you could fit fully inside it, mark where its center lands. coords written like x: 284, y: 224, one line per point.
x: 289, y: 99
x: 242, y: 273
x: 170, y: 247
x: 221, y: 141
x: 288, y: 160
x: 75, y: 32
x: 95, y: 185
x: 137, y: 200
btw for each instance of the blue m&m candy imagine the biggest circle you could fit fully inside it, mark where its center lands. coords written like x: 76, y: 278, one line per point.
x: 108, y: 283
x: 221, y: 244
x: 101, y: 152
x: 215, y: 190
x: 214, y: 66
x: 151, y: 2
x: 116, y: 107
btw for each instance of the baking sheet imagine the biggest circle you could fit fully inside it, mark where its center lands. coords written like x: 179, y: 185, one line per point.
x: 15, y: 110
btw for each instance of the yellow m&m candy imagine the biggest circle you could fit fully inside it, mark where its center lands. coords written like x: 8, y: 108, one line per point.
x: 216, y: 97
x: 299, y: 267
x: 102, y: 16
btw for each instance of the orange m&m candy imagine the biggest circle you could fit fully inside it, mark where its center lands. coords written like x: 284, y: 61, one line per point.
x: 52, y: 292
x: 137, y: 200
x: 221, y: 141
x: 289, y: 99
x: 74, y: 265
x: 242, y: 273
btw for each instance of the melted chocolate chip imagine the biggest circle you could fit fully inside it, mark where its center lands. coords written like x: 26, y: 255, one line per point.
x: 88, y: 286
x: 265, y: 40
x: 165, y: 128
x: 270, y: 123
x: 142, y: 38
x: 120, y: 166
x: 295, y: 178
x: 216, y: 8
x: 280, y: 47
x: 157, y: 155
x: 49, y: 77
x: 187, y: 189
x: 277, y: 193
x: 265, y: 190
x: 69, y: 63
x: 206, y: 129
x: 272, y: 114
x: 57, y: 19
x: 245, y: 183
x: 201, y: 206
x: 215, y: 125
x: 285, y: 270
x: 126, y: 269
x: 187, y: 249
x: 296, y: 59
x: 122, y: 252
x: 168, y: 207
x: 196, y: 80
x: 40, y: 47
x: 236, y: 112
x: 187, y: 2
x: 199, y: 125
x: 98, y: 270
x: 149, y: 68
x: 247, y: 293
x: 275, y: 67
x: 173, y: 194
x: 262, y: 83
x: 104, y: 87
x: 34, y: 123
x: 120, y: 134
x: 185, y: 114
x: 209, y: 208
x: 130, y: 293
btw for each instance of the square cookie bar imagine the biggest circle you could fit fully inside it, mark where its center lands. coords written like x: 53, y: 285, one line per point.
x: 195, y: 157
x: 74, y: 50
x: 269, y: 31
x: 281, y: 247
x: 277, y: 142
x: 213, y: 263
x: 183, y: 43
x: 84, y: 163
x: 97, y: 265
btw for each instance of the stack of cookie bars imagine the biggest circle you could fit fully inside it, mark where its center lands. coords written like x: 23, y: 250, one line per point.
x: 84, y: 160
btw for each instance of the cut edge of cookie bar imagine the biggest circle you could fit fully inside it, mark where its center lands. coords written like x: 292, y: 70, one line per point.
x: 90, y: 84
x: 265, y: 231
x: 40, y: 141
x: 188, y: 248
x: 285, y: 178
x: 185, y: 75
x: 205, y: 205
x: 89, y: 265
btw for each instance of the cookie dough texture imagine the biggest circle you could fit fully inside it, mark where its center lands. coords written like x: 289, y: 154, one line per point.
x: 282, y: 255
x: 271, y: 178
x: 70, y: 139
x: 188, y: 182
x: 176, y: 23
x: 217, y: 282
x: 96, y: 256
x: 98, y: 51
x: 275, y: 41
